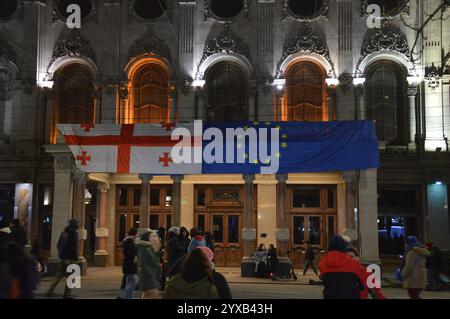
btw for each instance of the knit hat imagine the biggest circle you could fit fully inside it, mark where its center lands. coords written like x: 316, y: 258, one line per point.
x: 337, y: 243
x: 208, y: 252
x: 411, y: 242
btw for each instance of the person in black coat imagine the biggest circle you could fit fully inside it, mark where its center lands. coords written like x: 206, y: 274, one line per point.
x: 68, y: 254
x: 18, y: 234
x: 175, y: 247
x: 184, y: 239
x: 129, y: 265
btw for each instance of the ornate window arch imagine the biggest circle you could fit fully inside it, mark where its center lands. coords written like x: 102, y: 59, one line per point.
x: 74, y: 95
x: 305, y: 92
x: 227, y: 92
x: 385, y: 100
x: 149, y: 90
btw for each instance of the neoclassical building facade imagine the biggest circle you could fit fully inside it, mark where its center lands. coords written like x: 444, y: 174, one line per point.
x: 153, y: 61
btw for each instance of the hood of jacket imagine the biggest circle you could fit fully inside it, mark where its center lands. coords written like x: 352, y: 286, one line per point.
x: 422, y: 251
x: 337, y: 261
x: 194, y: 288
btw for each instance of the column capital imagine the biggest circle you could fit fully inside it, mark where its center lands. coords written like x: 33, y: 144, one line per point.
x: 248, y: 178
x: 145, y: 177
x: 177, y: 178
x: 80, y: 177
x: 412, y: 90
x: 103, y: 187
x: 282, y: 178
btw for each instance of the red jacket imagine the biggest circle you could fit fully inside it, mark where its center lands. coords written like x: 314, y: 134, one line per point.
x: 365, y: 293
x: 337, y: 261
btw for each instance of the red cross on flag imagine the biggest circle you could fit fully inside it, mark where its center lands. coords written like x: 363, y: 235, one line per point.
x: 130, y: 148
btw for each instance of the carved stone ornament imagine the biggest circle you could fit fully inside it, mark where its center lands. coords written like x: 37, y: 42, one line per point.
x: 73, y: 45
x: 63, y: 163
x: 149, y: 43
x: 433, y: 76
x: 305, y: 42
x: 322, y: 12
x: 385, y: 40
x: 224, y: 43
x: 345, y: 81
x: 6, y: 51
x: 6, y: 85
x: 403, y: 7
x: 208, y: 14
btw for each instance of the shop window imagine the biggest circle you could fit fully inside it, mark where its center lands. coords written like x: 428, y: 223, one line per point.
x: 392, y: 231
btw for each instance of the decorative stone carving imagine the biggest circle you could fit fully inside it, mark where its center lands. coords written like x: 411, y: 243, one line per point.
x: 6, y: 85
x: 149, y: 43
x: 345, y: 81
x: 6, y: 51
x: 224, y: 43
x: 433, y: 76
x: 305, y: 42
x: 322, y: 12
x: 209, y: 15
x: 63, y: 163
x: 385, y: 40
x: 73, y: 45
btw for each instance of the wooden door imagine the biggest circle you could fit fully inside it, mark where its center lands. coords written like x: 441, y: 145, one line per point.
x: 305, y: 228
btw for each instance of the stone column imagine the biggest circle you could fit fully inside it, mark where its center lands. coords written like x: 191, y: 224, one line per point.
x: 102, y: 231
x: 176, y: 199
x: 282, y: 231
x: 201, y: 109
x: 145, y: 200
x: 62, y: 204
x: 331, y: 92
x: 360, y: 102
x: 79, y: 211
x: 412, y: 92
x: 249, y: 231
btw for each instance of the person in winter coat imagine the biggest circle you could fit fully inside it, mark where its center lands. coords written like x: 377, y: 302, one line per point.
x: 175, y: 248
x: 68, y: 254
x: 129, y: 265
x: 414, y: 273
x: 197, y: 239
x: 18, y: 234
x: 195, y: 280
x: 376, y: 293
x: 272, y: 260
x: 209, y: 240
x: 20, y: 273
x: 218, y: 279
x: 310, y: 256
x: 260, y: 256
x: 433, y: 265
x: 339, y: 273
x: 184, y: 239
x: 149, y: 268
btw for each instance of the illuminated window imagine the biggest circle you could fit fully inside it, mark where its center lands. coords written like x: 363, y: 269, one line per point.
x: 227, y: 98
x: 150, y: 94
x: 7, y: 8
x: 150, y: 9
x: 305, y: 93
x: 74, y: 95
x: 384, y: 100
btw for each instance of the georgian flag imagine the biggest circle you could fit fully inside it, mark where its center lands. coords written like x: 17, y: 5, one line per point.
x: 130, y: 148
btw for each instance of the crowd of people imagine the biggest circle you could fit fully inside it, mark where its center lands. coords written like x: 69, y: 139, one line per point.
x: 180, y: 264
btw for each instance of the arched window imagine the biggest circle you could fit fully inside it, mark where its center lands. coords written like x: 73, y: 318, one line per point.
x: 305, y: 93
x: 385, y: 99
x: 227, y: 93
x: 75, y: 95
x: 150, y: 94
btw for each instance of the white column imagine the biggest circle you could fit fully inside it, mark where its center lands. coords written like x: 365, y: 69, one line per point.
x: 187, y: 205
x: 267, y: 212
x: 360, y: 102
x: 176, y: 199
x: 102, y: 230
x: 412, y: 92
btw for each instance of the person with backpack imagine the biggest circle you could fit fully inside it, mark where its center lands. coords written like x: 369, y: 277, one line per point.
x: 129, y: 265
x: 310, y: 256
x: 68, y: 254
x: 414, y: 272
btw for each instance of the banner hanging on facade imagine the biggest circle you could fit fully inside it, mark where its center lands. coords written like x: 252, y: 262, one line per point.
x: 223, y: 148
